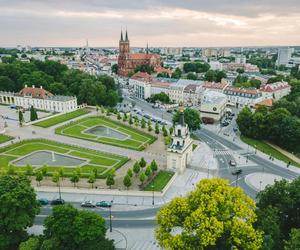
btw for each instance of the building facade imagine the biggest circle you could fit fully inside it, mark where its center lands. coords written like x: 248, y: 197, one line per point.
x: 179, y: 152
x: 213, y: 105
x: 39, y: 98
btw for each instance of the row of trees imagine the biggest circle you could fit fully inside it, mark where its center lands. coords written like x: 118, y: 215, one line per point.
x: 218, y: 216
x: 138, y: 171
x: 58, y: 79
x: 280, y: 125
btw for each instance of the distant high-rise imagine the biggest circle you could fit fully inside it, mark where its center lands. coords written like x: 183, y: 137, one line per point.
x: 284, y: 56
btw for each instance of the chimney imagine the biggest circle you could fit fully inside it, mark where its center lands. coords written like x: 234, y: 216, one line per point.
x: 41, y: 87
x: 33, y: 86
x: 25, y: 85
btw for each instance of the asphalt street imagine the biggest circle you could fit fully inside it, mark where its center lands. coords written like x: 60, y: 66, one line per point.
x: 129, y: 219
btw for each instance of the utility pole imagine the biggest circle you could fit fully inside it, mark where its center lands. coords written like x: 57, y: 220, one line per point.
x: 110, y: 217
x: 152, y: 195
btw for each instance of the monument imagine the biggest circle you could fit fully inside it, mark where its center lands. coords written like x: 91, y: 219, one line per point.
x: 180, y: 150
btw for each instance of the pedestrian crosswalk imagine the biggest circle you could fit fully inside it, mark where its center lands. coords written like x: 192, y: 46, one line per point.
x: 146, y: 245
x: 222, y: 152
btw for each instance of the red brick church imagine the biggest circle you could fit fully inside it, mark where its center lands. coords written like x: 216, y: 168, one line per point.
x: 127, y: 62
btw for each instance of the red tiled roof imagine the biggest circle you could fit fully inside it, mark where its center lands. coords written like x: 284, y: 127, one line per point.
x: 35, y: 92
x: 214, y: 85
x: 191, y: 88
x: 275, y: 86
x: 240, y: 90
x: 142, y: 76
x: 160, y: 84
x: 142, y: 56
x: 266, y: 103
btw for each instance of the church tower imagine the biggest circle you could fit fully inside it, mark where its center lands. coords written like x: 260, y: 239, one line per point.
x: 179, y: 152
x: 124, y: 44
x: 124, y: 54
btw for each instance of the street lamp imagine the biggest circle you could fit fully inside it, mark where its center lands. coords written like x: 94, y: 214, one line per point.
x: 110, y: 219
x: 152, y: 186
x: 59, y: 190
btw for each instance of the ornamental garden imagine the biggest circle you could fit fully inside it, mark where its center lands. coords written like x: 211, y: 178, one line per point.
x: 50, y: 162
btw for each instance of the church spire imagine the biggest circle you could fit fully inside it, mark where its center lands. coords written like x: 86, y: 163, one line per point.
x: 121, y: 39
x: 126, y: 36
x: 147, y: 49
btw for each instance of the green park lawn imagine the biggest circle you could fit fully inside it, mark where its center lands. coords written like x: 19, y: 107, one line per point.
x: 61, y: 118
x: 136, y: 140
x: 5, y: 138
x: 102, y: 162
x: 268, y: 149
x: 160, y: 181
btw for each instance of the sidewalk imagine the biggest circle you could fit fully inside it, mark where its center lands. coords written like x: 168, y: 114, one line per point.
x: 181, y: 185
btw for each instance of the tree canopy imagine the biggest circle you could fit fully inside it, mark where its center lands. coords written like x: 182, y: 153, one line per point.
x: 279, y: 213
x: 191, y: 117
x: 60, y: 80
x: 18, y: 207
x: 69, y: 228
x: 214, y: 75
x: 213, y: 216
x: 196, y: 67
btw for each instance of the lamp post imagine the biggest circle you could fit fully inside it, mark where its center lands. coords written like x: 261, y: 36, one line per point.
x: 152, y: 194
x: 59, y: 189
x: 110, y: 217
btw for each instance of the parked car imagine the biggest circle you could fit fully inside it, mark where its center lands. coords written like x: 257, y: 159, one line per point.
x: 232, y: 163
x: 103, y: 204
x: 235, y: 129
x: 225, y: 124
x: 237, y: 171
x: 57, y: 202
x: 43, y: 201
x: 88, y: 204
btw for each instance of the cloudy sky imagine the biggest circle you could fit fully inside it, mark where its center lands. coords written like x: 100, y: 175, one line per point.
x: 160, y: 22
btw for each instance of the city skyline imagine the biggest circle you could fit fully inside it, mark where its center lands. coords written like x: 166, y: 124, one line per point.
x: 161, y: 23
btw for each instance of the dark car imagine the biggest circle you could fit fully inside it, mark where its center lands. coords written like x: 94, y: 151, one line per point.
x: 88, y: 204
x: 237, y: 172
x: 103, y: 204
x: 224, y: 124
x: 57, y: 202
x: 43, y: 201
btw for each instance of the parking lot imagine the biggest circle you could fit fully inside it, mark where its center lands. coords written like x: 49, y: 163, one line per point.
x: 11, y: 115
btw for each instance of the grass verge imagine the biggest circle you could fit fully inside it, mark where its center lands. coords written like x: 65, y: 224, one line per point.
x: 61, y: 118
x: 269, y: 150
x: 5, y: 138
x: 160, y: 181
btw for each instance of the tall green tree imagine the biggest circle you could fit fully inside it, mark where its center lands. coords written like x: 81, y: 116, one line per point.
x: 75, y: 177
x: 136, y: 168
x: 143, y: 163
x: 213, y: 216
x: 69, y: 228
x: 127, y: 181
x: 279, y: 204
x: 110, y: 181
x: 18, y: 208
x: 39, y: 176
x: 191, y: 117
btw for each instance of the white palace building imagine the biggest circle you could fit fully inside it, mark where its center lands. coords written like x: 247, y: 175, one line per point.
x: 39, y: 98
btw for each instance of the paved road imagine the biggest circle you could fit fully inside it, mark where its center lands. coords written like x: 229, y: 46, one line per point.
x: 128, y: 219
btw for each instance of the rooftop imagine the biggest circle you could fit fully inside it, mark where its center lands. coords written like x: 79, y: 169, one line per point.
x: 210, y: 96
